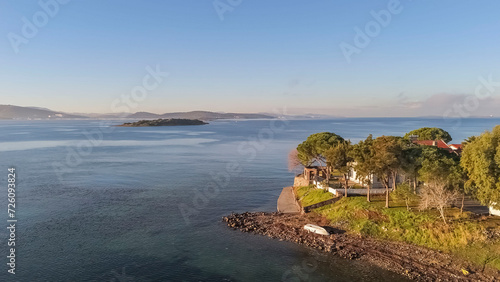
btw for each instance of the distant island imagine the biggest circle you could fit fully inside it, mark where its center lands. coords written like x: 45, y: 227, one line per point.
x: 164, y: 122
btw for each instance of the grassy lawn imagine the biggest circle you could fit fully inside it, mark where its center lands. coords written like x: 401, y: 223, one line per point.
x: 464, y: 236
x: 309, y: 195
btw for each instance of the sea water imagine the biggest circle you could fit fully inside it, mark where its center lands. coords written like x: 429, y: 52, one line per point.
x: 101, y: 203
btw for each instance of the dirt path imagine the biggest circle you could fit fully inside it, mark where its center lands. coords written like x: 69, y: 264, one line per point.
x: 415, y: 262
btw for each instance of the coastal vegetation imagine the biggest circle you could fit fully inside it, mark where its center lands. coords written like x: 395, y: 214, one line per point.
x: 362, y: 154
x: 339, y: 158
x: 425, y: 190
x: 386, y: 160
x: 164, y: 122
x: 469, y: 237
x: 429, y: 133
x: 314, y: 148
x: 308, y: 195
x: 481, y: 161
x: 435, y: 173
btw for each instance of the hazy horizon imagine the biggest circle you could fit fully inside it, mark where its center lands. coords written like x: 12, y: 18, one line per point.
x: 276, y: 112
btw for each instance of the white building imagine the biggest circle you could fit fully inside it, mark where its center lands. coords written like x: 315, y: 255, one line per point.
x: 374, y: 180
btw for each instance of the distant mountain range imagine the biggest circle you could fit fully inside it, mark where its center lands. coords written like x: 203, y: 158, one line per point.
x: 201, y: 115
x: 16, y: 112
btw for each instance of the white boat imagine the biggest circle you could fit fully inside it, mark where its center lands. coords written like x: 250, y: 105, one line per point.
x: 316, y: 229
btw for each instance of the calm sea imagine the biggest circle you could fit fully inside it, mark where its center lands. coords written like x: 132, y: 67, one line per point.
x: 101, y: 203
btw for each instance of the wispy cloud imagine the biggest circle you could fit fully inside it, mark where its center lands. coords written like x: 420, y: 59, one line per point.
x: 404, y: 106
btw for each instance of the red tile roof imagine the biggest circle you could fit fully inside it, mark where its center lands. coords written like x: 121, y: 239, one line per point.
x: 439, y: 143
x: 457, y: 148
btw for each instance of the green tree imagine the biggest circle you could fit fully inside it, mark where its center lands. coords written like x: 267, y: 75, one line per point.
x: 405, y: 193
x: 411, y: 163
x: 443, y: 177
x: 481, y: 162
x: 362, y: 154
x: 313, y: 149
x: 469, y: 140
x: 339, y: 157
x: 387, y: 155
x: 430, y: 133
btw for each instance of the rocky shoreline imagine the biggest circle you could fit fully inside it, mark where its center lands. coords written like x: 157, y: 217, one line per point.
x: 417, y: 263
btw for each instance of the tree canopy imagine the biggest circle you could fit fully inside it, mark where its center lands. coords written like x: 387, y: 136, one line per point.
x: 442, y: 174
x: 411, y: 163
x: 481, y: 161
x: 313, y: 149
x: 387, y: 159
x: 430, y: 133
x: 362, y: 153
x: 339, y: 157
x: 439, y: 165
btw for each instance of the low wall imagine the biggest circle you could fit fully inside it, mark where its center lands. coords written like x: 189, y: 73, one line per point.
x: 359, y: 192
x: 320, y: 204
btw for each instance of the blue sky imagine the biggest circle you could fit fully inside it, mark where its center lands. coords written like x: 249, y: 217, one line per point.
x: 262, y: 55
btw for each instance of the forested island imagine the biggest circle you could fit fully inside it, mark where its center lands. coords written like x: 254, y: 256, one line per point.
x: 164, y: 122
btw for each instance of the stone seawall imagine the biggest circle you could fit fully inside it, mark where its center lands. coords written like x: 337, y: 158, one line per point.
x: 300, y: 181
